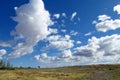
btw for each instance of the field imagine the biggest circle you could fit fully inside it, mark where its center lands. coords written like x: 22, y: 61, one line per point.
x: 94, y: 72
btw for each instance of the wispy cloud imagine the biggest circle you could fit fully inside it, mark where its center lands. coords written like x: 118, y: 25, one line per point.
x: 64, y: 15
x: 63, y: 30
x: 73, y: 15
x: 88, y: 34
x: 5, y: 44
x: 73, y: 33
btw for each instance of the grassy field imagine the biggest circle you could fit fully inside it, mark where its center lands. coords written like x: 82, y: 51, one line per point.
x: 94, y: 72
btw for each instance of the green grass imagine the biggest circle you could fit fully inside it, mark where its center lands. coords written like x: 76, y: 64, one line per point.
x: 94, y: 72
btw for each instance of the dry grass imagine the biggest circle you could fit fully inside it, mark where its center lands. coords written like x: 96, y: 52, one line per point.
x: 100, y: 72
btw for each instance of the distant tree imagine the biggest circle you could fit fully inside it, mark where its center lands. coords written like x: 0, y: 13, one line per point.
x: 38, y: 66
x: 2, y: 64
x: 5, y: 64
x: 8, y: 65
x: 21, y: 67
x: 29, y: 67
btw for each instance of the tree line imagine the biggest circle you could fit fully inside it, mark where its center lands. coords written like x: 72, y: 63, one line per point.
x: 5, y: 65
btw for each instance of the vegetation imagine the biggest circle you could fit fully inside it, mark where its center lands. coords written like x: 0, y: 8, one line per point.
x: 5, y: 65
x: 94, y: 72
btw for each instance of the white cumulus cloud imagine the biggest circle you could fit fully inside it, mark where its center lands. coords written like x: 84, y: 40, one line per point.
x: 66, y: 54
x: 117, y: 8
x: 2, y: 52
x: 42, y: 58
x: 53, y: 30
x: 102, y: 49
x: 106, y: 23
x: 60, y: 42
x: 57, y: 16
x: 33, y: 21
x: 98, y: 50
x: 103, y: 17
x: 78, y: 42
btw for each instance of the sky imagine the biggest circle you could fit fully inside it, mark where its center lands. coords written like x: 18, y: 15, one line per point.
x: 55, y: 33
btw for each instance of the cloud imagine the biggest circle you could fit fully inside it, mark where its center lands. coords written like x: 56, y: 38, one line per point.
x: 2, y: 52
x: 100, y: 49
x: 59, y: 42
x: 78, y: 42
x: 84, y: 51
x: 106, y: 23
x: 42, y: 57
x: 103, y: 17
x: 57, y: 16
x: 88, y: 34
x: 78, y: 19
x: 73, y: 15
x: 64, y: 56
x: 53, y: 38
x: 33, y: 21
x: 94, y: 22
x: 20, y: 50
x: 53, y: 31
x: 5, y: 44
x: 117, y: 8
x: 63, y: 30
x: 15, y: 8
x: 73, y: 33
x: 64, y: 15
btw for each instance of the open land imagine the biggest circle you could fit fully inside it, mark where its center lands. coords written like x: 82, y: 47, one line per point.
x: 92, y: 72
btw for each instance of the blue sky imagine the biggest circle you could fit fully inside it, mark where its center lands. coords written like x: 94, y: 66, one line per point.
x: 60, y: 33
